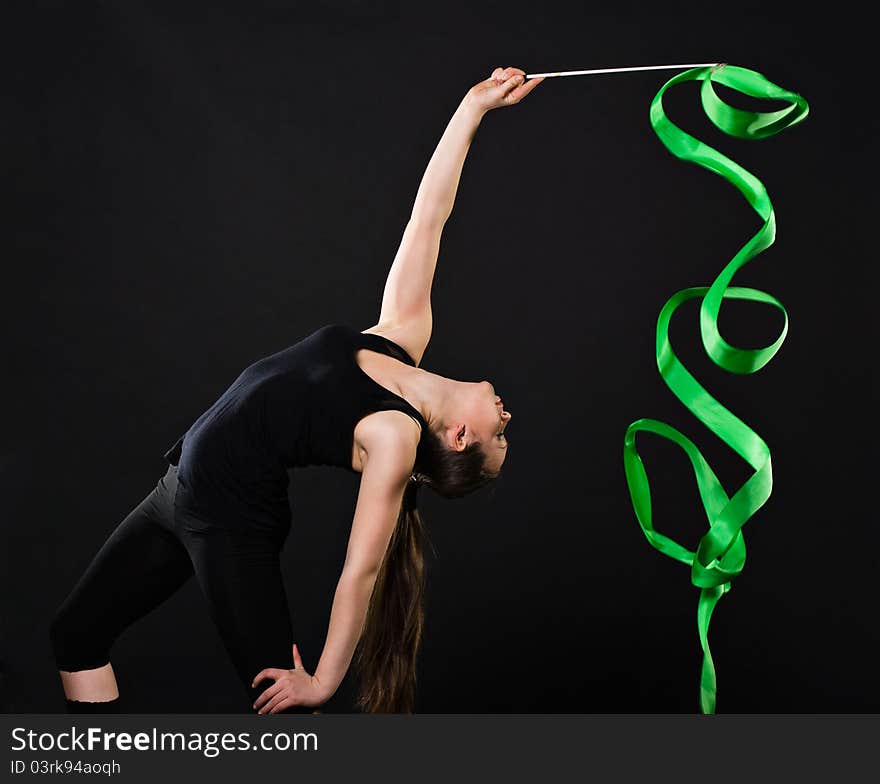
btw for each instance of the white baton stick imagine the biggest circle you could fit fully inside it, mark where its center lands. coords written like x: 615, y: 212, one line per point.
x: 618, y: 70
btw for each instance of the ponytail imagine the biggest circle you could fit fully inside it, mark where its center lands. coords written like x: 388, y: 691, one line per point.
x: 389, y: 645
x: 388, y: 649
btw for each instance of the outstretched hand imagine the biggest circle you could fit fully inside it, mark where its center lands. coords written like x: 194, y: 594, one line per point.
x: 291, y: 687
x: 505, y: 87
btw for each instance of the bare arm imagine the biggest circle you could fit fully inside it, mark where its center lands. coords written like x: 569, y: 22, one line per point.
x: 390, y: 455
x: 406, y: 299
x: 439, y: 185
x: 390, y: 451
x: 436, y: 193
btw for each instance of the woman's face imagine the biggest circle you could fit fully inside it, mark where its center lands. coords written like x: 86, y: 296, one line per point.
x: 486, y: 419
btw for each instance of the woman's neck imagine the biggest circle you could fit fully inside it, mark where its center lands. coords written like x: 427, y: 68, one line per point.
x: 432, y: 394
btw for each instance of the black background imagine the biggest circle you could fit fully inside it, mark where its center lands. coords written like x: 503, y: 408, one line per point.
x: 192, y: 190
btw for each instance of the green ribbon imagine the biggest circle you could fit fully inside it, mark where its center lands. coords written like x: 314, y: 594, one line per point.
x: 721, y: 552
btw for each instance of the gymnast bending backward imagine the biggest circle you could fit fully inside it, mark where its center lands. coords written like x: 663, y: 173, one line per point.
x: 353, y: 399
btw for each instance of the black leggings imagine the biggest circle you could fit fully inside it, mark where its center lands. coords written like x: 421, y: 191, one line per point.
x: 151, y: 554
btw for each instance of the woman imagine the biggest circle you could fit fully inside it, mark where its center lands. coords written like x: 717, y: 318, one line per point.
x: 357, y: 400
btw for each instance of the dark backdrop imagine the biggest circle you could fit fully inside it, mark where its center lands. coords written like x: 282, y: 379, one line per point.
x: 193, y: 190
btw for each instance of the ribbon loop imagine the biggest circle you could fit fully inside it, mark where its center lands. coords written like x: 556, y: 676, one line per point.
x: 721, y: 552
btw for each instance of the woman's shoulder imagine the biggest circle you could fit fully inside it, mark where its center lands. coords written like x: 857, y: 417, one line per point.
x: 389, y: 437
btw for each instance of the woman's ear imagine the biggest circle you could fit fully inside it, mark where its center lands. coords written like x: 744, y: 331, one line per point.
x: 460, y: 433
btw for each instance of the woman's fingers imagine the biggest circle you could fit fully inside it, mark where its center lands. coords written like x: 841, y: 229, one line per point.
x: 268, y: 694
x: 523, y: 89
x: 510, y: 86
x: 297, y: 659
x: 531, y: 84
x: 501, y: 74
x: 505, y: 87
x: 513, y: 85
x: 270, y: 672
x: 275, y: 701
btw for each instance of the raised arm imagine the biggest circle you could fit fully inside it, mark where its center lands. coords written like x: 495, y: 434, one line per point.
x: 406, y: 300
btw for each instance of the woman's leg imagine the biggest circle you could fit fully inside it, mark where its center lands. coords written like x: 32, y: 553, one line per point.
x: 139, y: 566
x: 240, y: 576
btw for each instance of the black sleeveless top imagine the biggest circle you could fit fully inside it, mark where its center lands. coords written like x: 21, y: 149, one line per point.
x: 296, y: 407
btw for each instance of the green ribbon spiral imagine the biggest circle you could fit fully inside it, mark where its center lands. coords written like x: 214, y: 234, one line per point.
x: 721, y: 552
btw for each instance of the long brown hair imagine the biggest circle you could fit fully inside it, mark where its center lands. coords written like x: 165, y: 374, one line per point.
x: 387, y: 651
